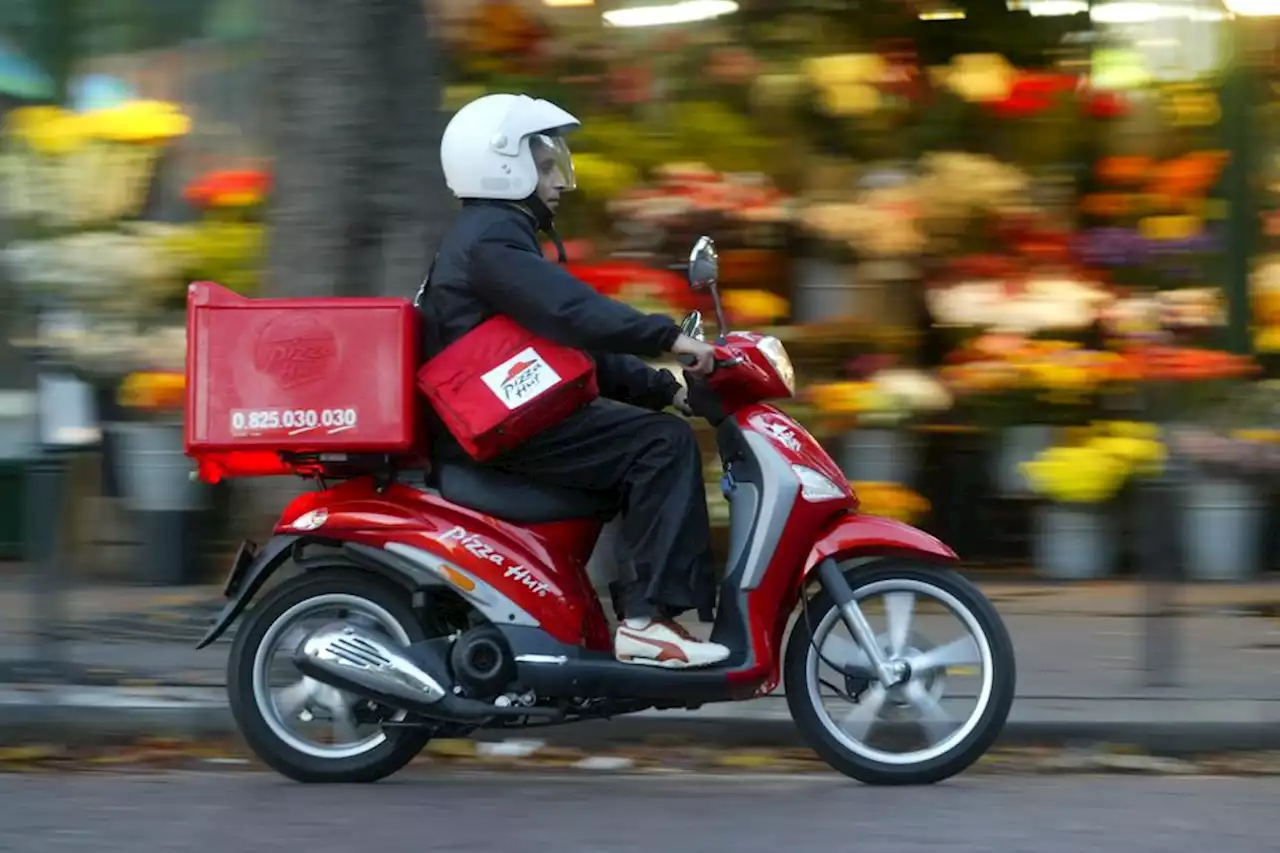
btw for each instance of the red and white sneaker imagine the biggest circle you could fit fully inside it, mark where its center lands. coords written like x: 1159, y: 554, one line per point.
x: 665, y: 644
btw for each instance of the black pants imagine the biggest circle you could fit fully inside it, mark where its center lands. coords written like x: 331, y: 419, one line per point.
x: 652, y: 459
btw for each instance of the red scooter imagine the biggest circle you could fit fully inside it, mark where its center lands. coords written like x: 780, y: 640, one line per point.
x: 441, y: 603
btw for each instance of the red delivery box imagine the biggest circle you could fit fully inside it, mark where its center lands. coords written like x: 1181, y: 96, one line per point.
x: 299, y: 376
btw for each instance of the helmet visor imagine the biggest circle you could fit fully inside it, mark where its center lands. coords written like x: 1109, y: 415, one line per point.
x: 552, y: 158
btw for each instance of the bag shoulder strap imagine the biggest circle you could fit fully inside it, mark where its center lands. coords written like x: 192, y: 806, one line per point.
x: 430, y: 329
x: 426, y: 282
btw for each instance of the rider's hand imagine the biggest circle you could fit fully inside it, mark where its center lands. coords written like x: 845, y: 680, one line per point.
x: 701, y: 355
x: 680, y: 402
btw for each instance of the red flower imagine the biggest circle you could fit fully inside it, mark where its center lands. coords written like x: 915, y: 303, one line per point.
x: 1107, y: 105
x: 231, y: 188
x: 1032, y: 93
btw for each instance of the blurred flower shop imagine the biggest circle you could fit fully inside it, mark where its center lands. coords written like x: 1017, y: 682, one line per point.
x: 1025, y: 254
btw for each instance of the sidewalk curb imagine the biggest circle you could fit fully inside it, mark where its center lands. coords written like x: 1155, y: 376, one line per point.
x: 89, y: 725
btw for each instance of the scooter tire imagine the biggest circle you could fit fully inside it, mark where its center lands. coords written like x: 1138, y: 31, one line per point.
x: 400, y: 745
x: 808, y: 718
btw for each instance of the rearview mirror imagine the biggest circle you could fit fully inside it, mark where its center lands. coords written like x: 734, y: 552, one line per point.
x: 704, y: 264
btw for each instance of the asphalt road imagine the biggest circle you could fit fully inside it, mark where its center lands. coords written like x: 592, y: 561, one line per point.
x: 250, y: 812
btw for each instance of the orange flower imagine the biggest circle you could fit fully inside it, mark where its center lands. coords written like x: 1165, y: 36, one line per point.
x: 1123, y: 170
x: 156, y: 390
x: 1106, y: 204
x: 1187, y: 364
x: 1188, y: 176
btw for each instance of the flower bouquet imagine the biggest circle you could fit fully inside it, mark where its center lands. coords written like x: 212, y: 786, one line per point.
x: 154, y: 394
x: 1264, y: 291
x: 1183, y: 383
x: 1238, y: 438
x: 872, y: 411
x: 1074, y: 533
x: 890, y: 500
x: 888, y: 398
x: 1233, y: 451
x: 1039, y: 304
x: 1152, y: 215
x: 1022, y: 389
x: 1092, y: 469
x: 687, y: 199
x: 1011, y: 380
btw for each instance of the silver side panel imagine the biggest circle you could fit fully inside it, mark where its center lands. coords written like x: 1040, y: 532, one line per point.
x: 495, y: 606
x: 744, y: 503
x: 779, y: 488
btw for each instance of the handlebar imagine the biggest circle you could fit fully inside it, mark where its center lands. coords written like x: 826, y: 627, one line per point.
x: 689, y: 361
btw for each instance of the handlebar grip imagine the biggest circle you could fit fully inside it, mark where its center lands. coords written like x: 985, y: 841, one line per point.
x: 686, y: 360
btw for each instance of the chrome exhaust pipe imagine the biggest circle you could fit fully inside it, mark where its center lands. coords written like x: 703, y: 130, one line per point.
x: 362, y: 662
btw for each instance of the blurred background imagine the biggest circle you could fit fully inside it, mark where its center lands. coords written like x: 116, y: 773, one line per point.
x: 1021, y: 254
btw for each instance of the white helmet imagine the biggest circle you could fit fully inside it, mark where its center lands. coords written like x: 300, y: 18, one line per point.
x: 485, y: 148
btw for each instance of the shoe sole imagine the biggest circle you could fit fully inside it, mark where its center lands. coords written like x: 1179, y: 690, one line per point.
x: 668, y: 664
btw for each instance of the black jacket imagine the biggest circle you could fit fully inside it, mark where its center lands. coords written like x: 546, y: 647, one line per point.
x: 491, y: 262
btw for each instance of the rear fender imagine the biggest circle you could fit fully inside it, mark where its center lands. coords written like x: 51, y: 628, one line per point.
x: 254, y: 566
x: 855, y: 535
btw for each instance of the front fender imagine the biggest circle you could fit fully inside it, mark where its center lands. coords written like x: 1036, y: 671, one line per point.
x: 856, y: 535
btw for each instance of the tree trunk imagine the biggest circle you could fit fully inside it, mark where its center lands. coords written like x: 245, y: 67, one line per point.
x: 359, y: 202
x: 353, y: 107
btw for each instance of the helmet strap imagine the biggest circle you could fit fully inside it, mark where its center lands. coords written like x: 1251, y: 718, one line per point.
x: 561, y: 256
x: 546, y: 221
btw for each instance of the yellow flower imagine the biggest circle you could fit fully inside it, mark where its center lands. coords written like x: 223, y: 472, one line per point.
x: 843, y: 397
x: 1129, y: 429
x: 153, y: 390
x: 889, y: 500
x: 978, y: 77
x: 1268, y: 436
x: 751, y: 307
x: 604, y: 178
x: 845, y: 68
x: 1095, y: 470
x: 50, y: 130
x: 850, y: 99
x: 1267, y: 339
x: 139, y: 121
x: 47, y: 130
x: 1170, y: 227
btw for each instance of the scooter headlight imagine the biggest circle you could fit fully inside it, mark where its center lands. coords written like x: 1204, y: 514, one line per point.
x: 778, y: 359
x: 817, y: 487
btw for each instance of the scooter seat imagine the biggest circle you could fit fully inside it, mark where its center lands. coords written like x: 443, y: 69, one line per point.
x: 519, y: 499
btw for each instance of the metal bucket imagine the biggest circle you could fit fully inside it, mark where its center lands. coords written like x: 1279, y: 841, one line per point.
x: 1015, y: 445
x: 880, y: 456
x: 154, y: 471
x: 1074, y: 541
x: 1223, y: 528
x: 823, y: 291
x: 171, y: 510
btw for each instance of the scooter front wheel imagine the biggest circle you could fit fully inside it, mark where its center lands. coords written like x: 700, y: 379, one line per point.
x: 952, y: 694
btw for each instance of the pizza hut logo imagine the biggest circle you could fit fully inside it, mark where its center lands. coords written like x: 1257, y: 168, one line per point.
x: 519, y: 369
x: 521, y: 378
x: 295, y: 351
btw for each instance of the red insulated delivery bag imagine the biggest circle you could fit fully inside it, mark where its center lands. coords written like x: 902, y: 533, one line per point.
x: 500, y: 385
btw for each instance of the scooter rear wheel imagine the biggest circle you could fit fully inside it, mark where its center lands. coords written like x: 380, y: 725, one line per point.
x: 855, y: 738
x: 268, y: 717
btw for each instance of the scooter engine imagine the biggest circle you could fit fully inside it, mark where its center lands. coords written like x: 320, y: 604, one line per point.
x: 482, y: 662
